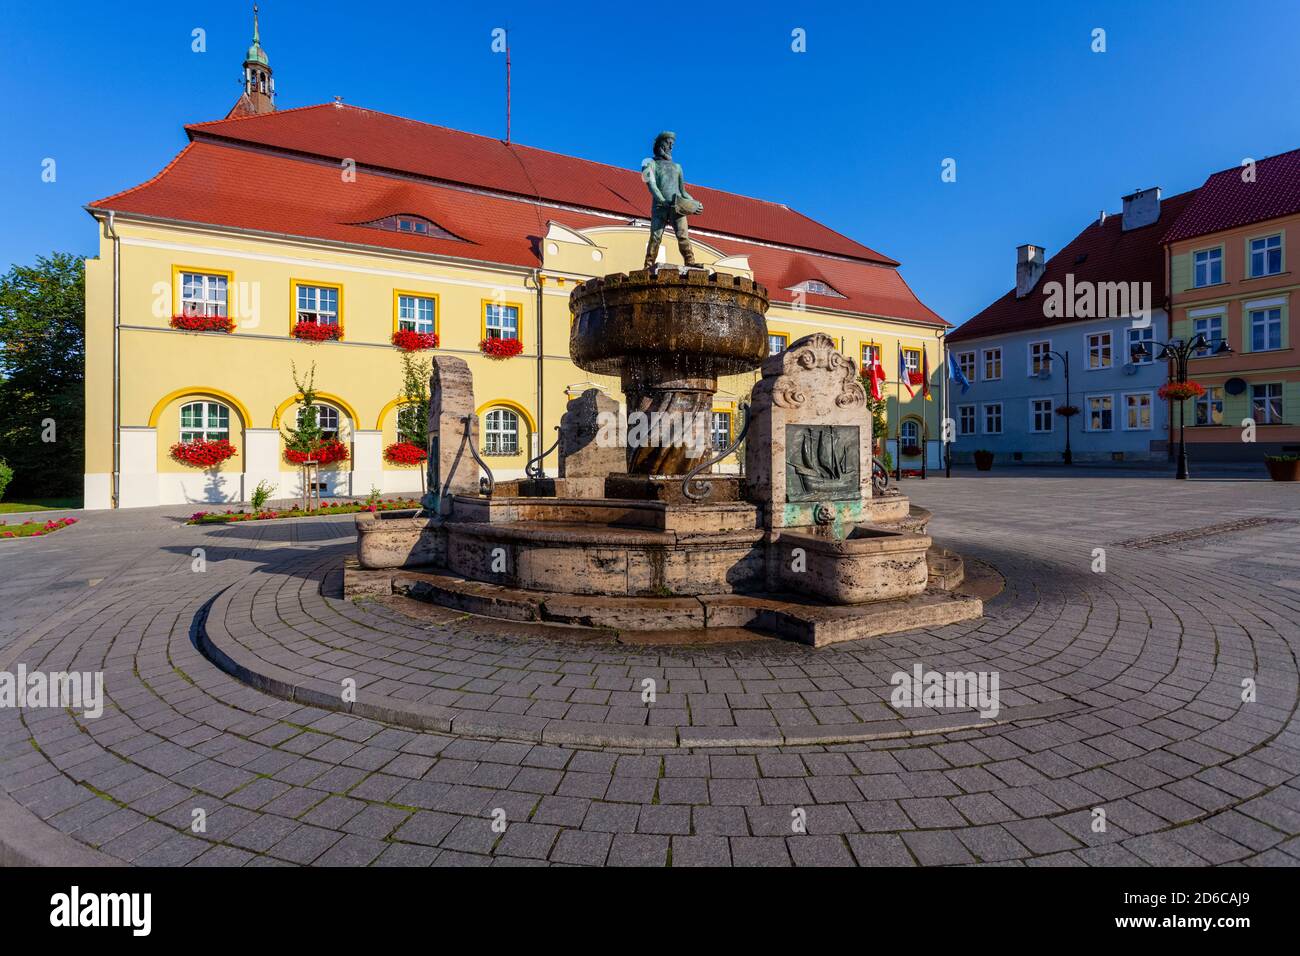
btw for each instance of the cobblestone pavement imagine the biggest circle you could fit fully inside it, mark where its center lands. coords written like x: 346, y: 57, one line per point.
x: 1136, y: 673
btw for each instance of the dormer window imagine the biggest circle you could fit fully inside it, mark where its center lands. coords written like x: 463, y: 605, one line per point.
x: 412, y: 225
x: 815, y: 287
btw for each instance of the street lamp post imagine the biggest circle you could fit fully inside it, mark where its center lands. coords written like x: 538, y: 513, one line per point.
x: 1178, y: 352
x: 1065, y: 357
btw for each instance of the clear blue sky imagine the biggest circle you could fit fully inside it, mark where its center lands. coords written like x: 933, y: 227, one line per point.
x: 853, y: 132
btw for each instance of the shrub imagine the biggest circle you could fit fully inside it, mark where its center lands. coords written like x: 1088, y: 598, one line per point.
x: 261, y: 494
x: 6, y: 476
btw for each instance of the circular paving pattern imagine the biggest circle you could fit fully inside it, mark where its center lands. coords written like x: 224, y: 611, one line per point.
x: 1122, y: 736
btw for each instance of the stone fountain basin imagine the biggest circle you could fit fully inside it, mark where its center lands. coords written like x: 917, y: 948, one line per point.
x: 664, y: 324
x: 869, y: 564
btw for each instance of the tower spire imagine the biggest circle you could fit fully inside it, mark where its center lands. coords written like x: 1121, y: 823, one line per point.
x: 259, y: 85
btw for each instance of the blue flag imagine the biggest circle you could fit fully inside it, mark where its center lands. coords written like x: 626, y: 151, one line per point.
x: 955, y: 374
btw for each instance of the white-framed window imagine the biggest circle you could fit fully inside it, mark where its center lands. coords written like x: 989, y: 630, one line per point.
x: 1210, y: 326
x: 775, y: 343
x: 1040, y: 414
x: 204, y: 294
x: 993, y: 418
x: 1141, y: 336
x: 501, y: 321
x: 1039, y: 359
x: 318, y: 304
x: 501, y: 432
x: 1266, y: 403
x: 1137, y: 412
x: 1207, y: 267
x: 1266, y: 256
x: 992, y: 364
x: 1208, y: 408
x: 911, y: 432
x: 410, y: 428
x: 912, y: 359
x: 720, y: 430
x: 327, y: 418
x: 871, y: 354
x: 1265, y: 329
x: 966, y: 418
x: 417, y: 313
x: 206, y: 421
x: 1101, y: 413
x: 1100, y: 352
x: 966, y: 362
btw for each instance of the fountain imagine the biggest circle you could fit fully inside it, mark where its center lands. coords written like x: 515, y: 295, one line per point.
x: 643, y: 537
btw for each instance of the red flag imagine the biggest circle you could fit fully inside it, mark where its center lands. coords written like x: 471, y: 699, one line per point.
x: 876, y: 375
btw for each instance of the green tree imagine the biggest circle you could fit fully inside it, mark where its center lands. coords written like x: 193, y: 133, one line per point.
x: 413, y: 416
x: 42, y: 374
x: 308, y: 434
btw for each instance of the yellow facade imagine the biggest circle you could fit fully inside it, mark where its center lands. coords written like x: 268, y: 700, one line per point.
x: 248, y: 371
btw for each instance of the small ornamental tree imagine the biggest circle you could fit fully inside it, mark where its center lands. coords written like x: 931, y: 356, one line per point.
x: 412, y: 415
x: 307, y: 441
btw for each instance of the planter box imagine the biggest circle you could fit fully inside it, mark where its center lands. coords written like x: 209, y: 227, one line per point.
x: 1283, y: 470
x: 983, y: 462
x: 398, y: 539
x: 871, y: 564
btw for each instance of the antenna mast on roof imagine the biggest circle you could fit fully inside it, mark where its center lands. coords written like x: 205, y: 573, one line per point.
x: 507, y: 84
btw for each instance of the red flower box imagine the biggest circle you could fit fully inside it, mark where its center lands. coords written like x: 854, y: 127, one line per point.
x: 325, y: 454
x: 201, y: 453
x: 500, y: 348
x: 316, y: 332
x: 202, y: 323
x: 1181, y: 391
x: 409, y: 341
x: 405, y: 453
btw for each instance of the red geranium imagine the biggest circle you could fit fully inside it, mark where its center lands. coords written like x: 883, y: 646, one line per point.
x: 404, y: 453
x: 201, y: 453
x: 317, y: 332
x: 202, y: 323
x: 326, y: 453
x: 500, y: 348
x: 1181, y: 391
x: 409, y: 341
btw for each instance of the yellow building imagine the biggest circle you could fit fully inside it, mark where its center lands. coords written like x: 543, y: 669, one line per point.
x: 345, y: 221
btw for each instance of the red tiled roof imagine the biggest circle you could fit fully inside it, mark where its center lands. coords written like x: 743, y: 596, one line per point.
x: 338, y: 131
x: 209, y: 182
x: 1109, y: 254
x: 1226, y: 201
x: 279, y: 173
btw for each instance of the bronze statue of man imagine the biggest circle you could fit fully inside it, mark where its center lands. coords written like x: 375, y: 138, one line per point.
x: 671, y: 202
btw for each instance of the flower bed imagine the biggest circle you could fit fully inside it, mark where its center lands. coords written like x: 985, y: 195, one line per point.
x: 202, y: 453
x: 202, y: 323
x: 324, y: 454
x: 500, y: 348
x: 316, y: 332
x: 405, y: 453
x: 409, y: 341
x: 328, y: 508
x: 34, y: 529
x: 1181, y: 391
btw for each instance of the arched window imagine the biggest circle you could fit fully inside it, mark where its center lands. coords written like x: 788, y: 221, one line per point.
x: 911, y: 433
x: 327, y: 417
x: 206, y: 421
x: 501, y: 432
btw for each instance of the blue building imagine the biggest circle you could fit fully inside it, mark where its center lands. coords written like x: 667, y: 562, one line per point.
x: 1084, y: 308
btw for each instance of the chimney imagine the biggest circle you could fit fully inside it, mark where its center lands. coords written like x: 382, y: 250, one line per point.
x: 1030, y: 262
x: 1141, y: 208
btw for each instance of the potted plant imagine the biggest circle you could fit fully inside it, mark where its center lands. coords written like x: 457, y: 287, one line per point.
x: 317, y: 332
x: 409, y: 341
x: 911, y: 451
x: 201, y: 453
x: 983, y: 459
x: 500, y: 348
x: 202, y: 323
x: 1067, y: 411
x: 1181, y: 391
x: 405, y: 453
x: 1283, y: 467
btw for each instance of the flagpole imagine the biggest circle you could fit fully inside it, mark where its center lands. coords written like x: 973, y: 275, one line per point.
x: 943, y: 430
x: 898, y: 418
x: 925, y: 427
